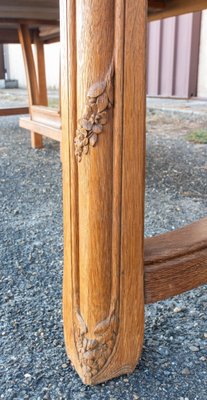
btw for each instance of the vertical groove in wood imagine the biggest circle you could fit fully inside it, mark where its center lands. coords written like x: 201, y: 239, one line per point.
x: 95, y: 53
x: 103, y: 329
x: 119, y: 19
x: 70, y: 192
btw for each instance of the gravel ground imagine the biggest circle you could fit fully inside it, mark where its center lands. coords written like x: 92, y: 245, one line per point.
x: 33, y: 360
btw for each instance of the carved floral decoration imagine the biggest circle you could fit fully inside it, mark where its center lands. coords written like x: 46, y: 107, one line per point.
x: 94, y: 352
x: 95, y: 116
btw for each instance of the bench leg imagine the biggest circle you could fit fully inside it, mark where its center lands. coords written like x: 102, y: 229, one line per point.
x: 103, y: 54
x: 36, y: 78
x: 36, y: 140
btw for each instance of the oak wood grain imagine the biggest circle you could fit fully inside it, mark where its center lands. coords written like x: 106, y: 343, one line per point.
x: 103, y: 236
x: 43, y: 129
x: 176, y: 261
x: 31, y: 76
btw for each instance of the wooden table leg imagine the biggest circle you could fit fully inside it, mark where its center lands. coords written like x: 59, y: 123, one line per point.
x: 36, y: 80
x: 103, y: 56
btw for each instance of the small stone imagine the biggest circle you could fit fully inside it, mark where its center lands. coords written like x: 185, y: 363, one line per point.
x: 185, y: 371
x: 163, y: 351
x: 194, y: 348
x: 205, y: 335
x: 135, y: 397
x: 177, y: 310
x: 64, y: 365
x: 202, y: 358
x: 28, y: 376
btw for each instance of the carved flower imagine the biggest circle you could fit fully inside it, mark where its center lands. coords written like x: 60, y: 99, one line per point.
x: 94, y: 353
x: 99, y: 100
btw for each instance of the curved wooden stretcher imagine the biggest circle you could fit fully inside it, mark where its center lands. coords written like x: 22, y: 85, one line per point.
x: 110, y: 271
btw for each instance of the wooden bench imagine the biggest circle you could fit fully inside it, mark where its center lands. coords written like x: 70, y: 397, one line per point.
x: 5, y: 112
x: 43, y: 121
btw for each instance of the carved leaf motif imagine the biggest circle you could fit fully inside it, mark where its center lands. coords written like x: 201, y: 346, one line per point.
x: 102, y: 102
x: 83, y: 131
x: 103, y: 118
x: 110, y: 92
x: 92, y: 344
x: 87, y: 112
x: 86, y: 124
x: 93, y: 139
x: 97, y: 128
x: 102, y: 327
x: 97, y: 89
x: 85, y: 149
x: 82, y: 326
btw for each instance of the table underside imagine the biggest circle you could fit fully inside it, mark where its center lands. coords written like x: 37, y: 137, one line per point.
x: 44, y: 15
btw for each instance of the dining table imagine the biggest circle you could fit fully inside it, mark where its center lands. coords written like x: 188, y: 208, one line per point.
x: 110, y: 270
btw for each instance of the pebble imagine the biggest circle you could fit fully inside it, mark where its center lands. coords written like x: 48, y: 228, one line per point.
x: 163, y: 351
x: 64, y: 365
x: 194, y: 348
x: 177, y: 309
x: 28, y: 376
x: 186, y: 371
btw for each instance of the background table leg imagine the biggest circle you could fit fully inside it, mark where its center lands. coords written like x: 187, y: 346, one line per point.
x: 36, y: 80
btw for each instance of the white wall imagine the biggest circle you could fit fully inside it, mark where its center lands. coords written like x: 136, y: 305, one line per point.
x: 14, y: 63
x: 52, y: 61
x: 15, y: 66
x: 202, y: 70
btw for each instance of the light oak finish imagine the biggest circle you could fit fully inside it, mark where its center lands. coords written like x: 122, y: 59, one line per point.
x: 31, y: 76
x: 43, y: 121
x: 40, y: 68
x: 103, y: 295
x: 46, y: 115
x: 175, y: 261
x: 42, y: 129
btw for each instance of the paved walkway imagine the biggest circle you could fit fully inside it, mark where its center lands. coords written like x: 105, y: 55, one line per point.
x: 188, y: 108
